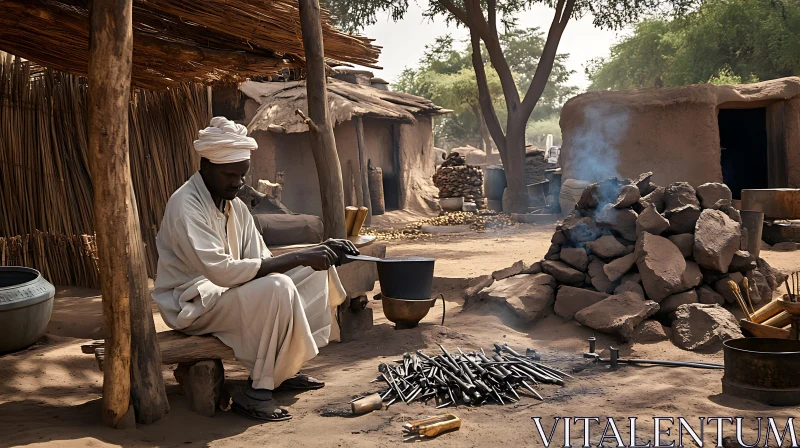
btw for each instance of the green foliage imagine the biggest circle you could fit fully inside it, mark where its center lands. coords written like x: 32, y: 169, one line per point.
x: 536, y: 131
x: 723, y: 41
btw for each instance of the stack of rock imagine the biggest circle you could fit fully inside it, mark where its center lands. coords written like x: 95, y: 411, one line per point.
x: 535, y: 166
x: 455, y: 179
x: 632, y: 250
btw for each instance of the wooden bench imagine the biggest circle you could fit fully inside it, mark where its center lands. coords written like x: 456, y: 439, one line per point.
x: 200, y: 372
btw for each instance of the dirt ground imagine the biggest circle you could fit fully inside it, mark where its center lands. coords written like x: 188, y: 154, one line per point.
x: 50, y: 393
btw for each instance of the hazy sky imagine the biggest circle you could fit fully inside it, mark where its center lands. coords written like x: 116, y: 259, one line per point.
x: 404, y: 42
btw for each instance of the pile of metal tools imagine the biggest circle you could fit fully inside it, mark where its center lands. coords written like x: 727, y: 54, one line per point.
x: 466, y: 378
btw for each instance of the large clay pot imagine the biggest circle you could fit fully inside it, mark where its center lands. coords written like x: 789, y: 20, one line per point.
x: 26, y: 303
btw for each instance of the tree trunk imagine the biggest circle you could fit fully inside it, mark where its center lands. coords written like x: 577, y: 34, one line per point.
x: 514, y: 164
x: 323, y: 144
x: 110, y: 52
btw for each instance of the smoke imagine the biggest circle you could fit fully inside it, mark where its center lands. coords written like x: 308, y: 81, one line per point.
x: 594, y: 153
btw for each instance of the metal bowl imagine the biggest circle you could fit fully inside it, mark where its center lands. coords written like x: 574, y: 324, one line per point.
x: 26, y: 303
x: 408, y: 313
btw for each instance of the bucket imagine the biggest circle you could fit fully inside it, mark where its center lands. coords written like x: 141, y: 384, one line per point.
x: 494, y: 182
x: 753, y: 222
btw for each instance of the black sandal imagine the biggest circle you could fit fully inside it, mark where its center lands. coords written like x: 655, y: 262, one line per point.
x: 301, y: 382
x: 252, y: 412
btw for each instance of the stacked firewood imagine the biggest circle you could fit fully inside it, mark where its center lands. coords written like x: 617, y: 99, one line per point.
x: 455, y: 179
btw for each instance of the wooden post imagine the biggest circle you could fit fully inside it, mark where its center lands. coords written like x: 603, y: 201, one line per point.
x: 121, y: 261
x: 362, y: 162
x: 323, y: 144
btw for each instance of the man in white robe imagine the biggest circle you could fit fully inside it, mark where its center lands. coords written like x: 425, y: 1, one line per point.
x: 216, y: 276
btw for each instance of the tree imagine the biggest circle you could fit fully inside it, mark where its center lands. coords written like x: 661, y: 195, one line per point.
x: 723, y: 41
x: 481, y: 18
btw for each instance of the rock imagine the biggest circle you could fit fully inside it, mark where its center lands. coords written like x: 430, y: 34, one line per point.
x: 684, y: 242
x: 553, y: 253
x: 563, y: 273
x: 683, y: 219
x: 628, y: 195
x: 202, y: 384
x: 649, y: 331
x: 600, y: 193
x: 619, y: 267
x: 716, y: 239
x: 644, y: 183
x: 656, y: 197
x: 710, y: 277
x: 575, y: 257
x: 618, y: 314
x: 622, y: 221
x: 510, y: 271
x: 651, y: 221
x: 708, y: 296
x: 678, y: 195
x: 529, y: 296
x: 703, y: 327
x: 722, y: 287
x: 671, y: 303
x: 765, y: 245
x: 742, y: 261
x: 752, y: 293
x: 558, y: 237
x: 599, y: 279
x: 785, y: 246
x: 755, y: 277
x: 630, y: 287
x: 570, y: 300
x: 634, y: 277
x: 774, y: 277
x: 661, y: 265
x: 711, y: 192
x: 535, y: 268
x: 692, y: 276
x: 579, y: 230
x: 639, y: 206
x: 607, y: 247
x: 729, y: 210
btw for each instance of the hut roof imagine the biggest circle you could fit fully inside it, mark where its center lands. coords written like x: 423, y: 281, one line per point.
x: 279, y: 100
x: 175, y: 41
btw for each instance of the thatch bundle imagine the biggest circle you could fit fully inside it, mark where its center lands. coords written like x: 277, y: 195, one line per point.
x: 178, y: 41
x: 45, y: 187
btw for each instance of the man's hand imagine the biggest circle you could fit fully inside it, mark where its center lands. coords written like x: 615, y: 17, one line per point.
x: 319, y: 258
x: 341, y: 247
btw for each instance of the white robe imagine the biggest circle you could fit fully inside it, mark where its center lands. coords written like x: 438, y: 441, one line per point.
x: 205, y: 285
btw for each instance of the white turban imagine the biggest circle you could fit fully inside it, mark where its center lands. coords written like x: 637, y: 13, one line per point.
x: 224, y: 142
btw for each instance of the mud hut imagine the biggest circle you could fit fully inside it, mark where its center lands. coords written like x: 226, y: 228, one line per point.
x: 747, y: 136
x: 396, y: 135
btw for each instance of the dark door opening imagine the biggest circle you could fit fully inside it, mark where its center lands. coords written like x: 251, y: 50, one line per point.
x: 743, y: 139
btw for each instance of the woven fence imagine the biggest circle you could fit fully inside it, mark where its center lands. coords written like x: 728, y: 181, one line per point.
x: 45, y: 188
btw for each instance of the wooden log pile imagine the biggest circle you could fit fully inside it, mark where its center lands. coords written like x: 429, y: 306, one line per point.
x: 454, y: 179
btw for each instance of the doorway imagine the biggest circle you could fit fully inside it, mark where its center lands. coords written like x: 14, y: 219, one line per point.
x: 743, y: 140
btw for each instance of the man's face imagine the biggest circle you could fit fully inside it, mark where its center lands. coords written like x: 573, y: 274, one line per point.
x: 224, y: 180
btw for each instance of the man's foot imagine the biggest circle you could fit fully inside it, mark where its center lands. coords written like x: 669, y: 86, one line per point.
x: 258, y: 404
x: 301, y: 382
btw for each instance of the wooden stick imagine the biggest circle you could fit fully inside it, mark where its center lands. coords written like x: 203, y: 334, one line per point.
x: 737, y: 293
x: 767, y: 311
x: 780, y: 320
x: 746, y: 288
x: 361, y: 216
x: 350, y: 218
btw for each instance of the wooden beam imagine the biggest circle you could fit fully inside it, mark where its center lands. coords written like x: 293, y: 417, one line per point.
x: 323, y: 144
x: 363, y: 169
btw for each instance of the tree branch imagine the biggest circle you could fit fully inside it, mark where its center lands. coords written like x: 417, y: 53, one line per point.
x: 457, y: 12
x: 563, y: 13
x: 485, y: 97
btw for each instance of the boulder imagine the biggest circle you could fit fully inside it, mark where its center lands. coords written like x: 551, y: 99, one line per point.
x: 683, y: 219
x: 598, y: 277
x: 630, y: 287
x: 671, y: 303
x: 529, y: 296
x: 684, y: 242
x: 661, y: 266
x: 628, y: 195
x: 703, y: 327
x: 730, y: 210
x: 476, y: 285
x: 553, y: 252
x: 607, y: 247
x: 755, y: 277
x: 575, y: 257
x: 716, y: 239
x: 774, y: 277
x: 535, y: 268
x: 708, y: 296
x: 558, y: 237
x: 644, y: 183
x: 617, y: 314
x: 692, y: 276
x: 634, y: 277
x: 651, y: 221
x: 649, y: 331
x: 563, y: 273
x: 619, y: 267
x: 678, y: 195
x: 622, y: 221
x: 510, y: 271
x: 711, y: 192
x: 724, y: 288
x: 742, y: 261
x: 656, y: 197
x: 600, y: 193
x: 570, y: 300
x: 579, y: 229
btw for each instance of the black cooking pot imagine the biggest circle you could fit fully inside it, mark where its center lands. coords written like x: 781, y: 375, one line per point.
x: 409, y: 278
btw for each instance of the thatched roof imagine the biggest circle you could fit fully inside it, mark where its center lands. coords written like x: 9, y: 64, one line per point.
x: 279, y: 100
x: 177, y: 41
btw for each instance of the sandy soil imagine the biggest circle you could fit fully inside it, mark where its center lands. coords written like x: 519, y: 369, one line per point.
x: 50, y: 393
